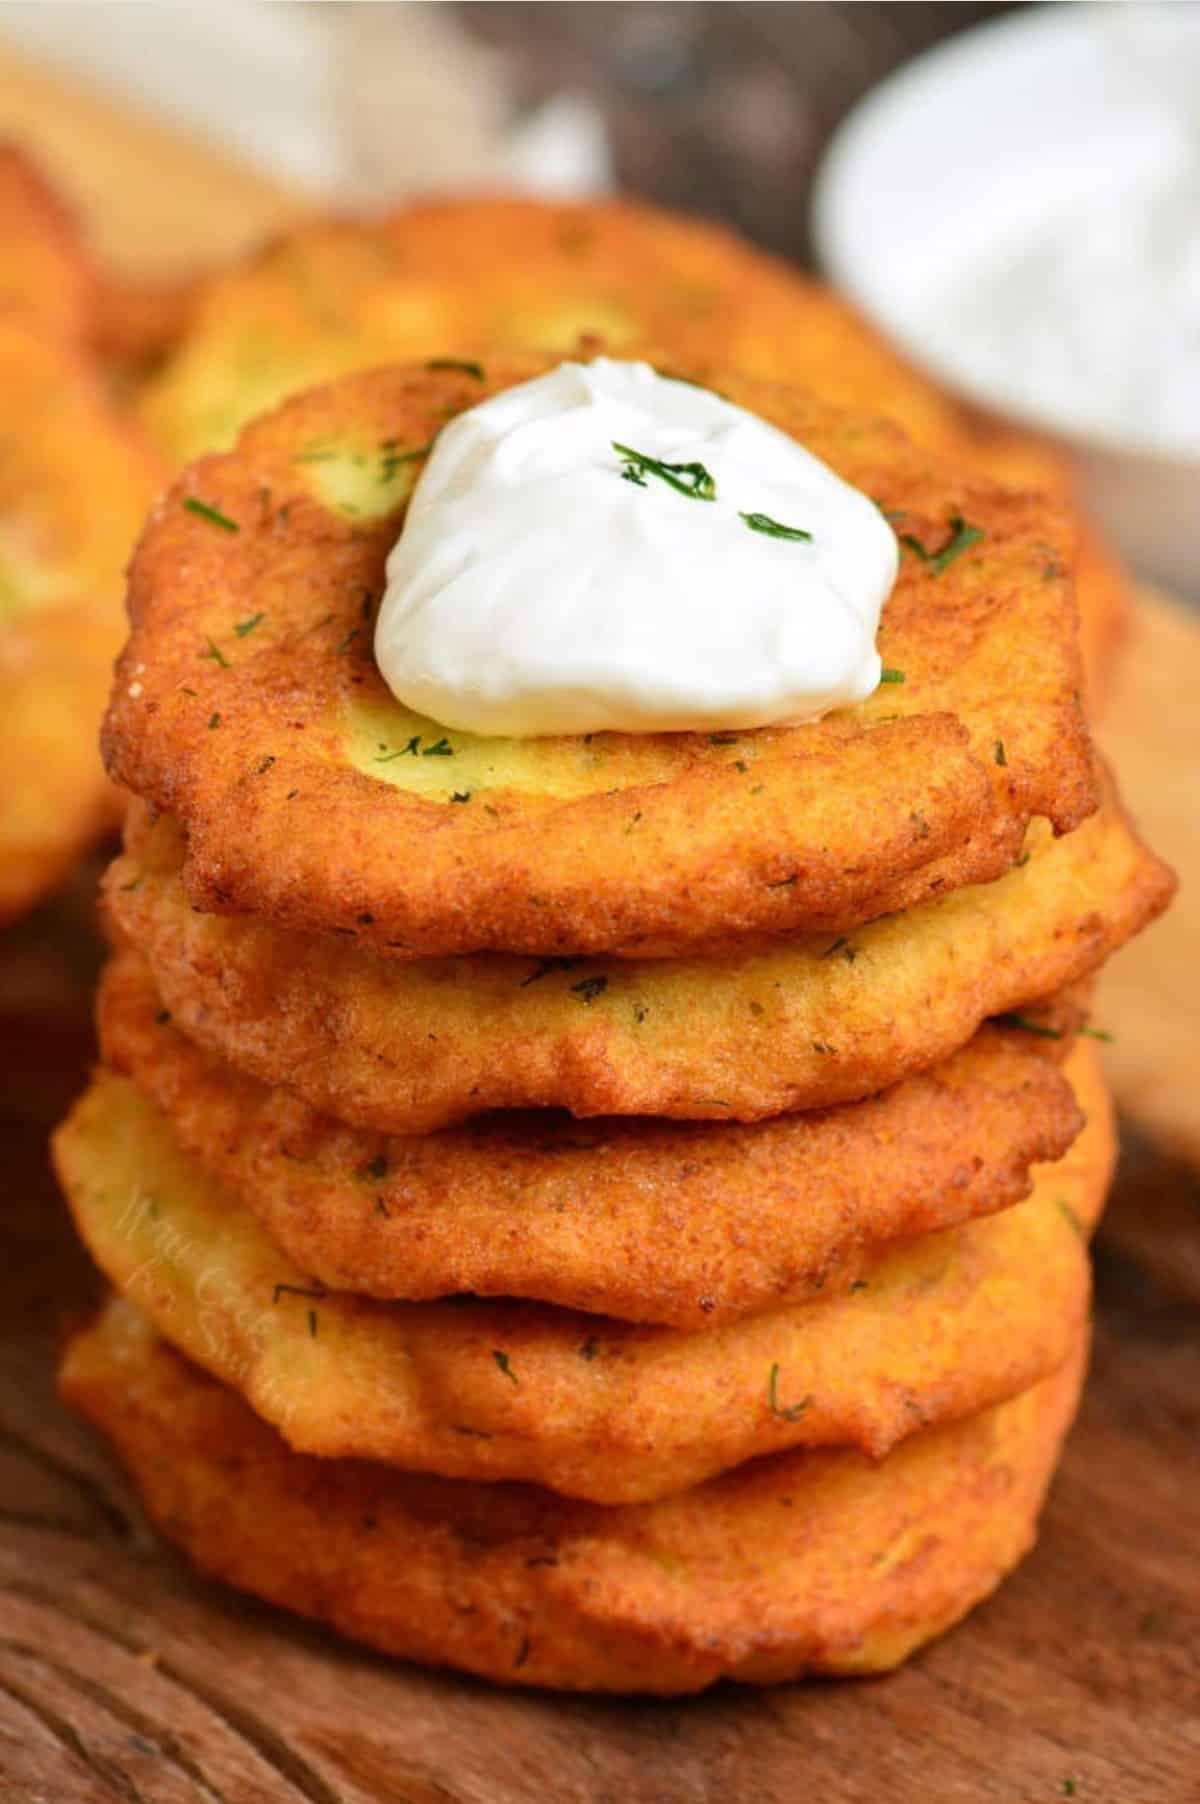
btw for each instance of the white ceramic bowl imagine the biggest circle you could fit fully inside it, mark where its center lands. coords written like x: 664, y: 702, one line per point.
x: 953, y: 155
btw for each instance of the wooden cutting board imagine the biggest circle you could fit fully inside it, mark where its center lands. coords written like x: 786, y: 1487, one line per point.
x: 123, y: 1677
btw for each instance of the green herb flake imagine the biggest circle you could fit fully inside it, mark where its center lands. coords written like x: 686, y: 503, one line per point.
x: 589, y: 988
x: 392, y: 459
x: 376, y: 1168
x: 312, y: 1324
x: 793, y: 1411
x: 501, y: 1359
x: 775, y: 529
x: 589, y: 1349
x: 214, y: 652
x: 999, y: 753
x: 1069, y: 1787
x: 204, y: 510
x: 214, y: 720
x: 1030, y: 1027
x: 462, y: 364
x: 962, y: 537
x: 460, y: 795
x: 442, y: 749
x: 888, y: 675
x: 544, y: 967
x: 242, y: 627
x: 299, y: 1290
x: 1097, y: 1033
x: 692, y: 479
x: 408, y: 750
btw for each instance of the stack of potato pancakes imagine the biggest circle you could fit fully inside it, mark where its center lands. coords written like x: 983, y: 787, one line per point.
x: 605, y: 1212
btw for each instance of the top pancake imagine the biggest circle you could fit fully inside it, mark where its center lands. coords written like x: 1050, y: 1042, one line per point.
x: 452, y: 276
x: 248, y: 704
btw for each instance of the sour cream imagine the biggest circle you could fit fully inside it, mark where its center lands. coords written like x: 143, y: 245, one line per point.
x: 608, y: 548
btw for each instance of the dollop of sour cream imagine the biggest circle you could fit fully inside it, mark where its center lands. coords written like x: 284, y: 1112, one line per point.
x: 606, y: 548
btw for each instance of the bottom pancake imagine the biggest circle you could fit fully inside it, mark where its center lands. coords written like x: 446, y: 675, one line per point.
x: 803, y: 1563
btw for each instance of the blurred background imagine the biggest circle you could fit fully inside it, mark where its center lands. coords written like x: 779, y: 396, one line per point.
x: 721, y: 108
x: 1018, y: 208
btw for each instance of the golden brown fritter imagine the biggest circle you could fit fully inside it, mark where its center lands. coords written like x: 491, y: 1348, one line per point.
x: 652, y: 1221
x: 248, y: 703
x: 75, y: 484
x: 584, y: 1405
x: 46, y: 277
x: 404, y: 1048
x: 447, y: 277
x: 804, y: 1563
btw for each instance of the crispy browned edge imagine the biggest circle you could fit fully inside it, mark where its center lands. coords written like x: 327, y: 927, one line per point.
x: 849, y: 824
x: 650, y: 1221
x: 801, y: 1563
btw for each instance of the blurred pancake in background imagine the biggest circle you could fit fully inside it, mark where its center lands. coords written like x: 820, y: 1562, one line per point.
x: 76, y: 481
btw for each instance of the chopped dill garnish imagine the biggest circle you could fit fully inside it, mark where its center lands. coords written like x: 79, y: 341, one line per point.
x: 501, y: 1359
x: 204, y: 510
x: 442, y: 749
x: 793, y: 1411
x: 216, y: 654
x: 242, y: 627
x: 392, y: 459
x: 463, y: 364
x: 214, y: 720
x: 999, y: 753
x: 692, y: 480
x: 299, y: 1290
x: 962, y: 537
x: 589, y: 988
x: 460, y: 795
x: 887, y: 675
x: 1030, y: 1027
x: 774, y: 529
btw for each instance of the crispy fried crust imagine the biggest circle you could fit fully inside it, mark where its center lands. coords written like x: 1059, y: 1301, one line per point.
x: 45, y: 275
x: 584, y: 1405
x: 447, y: 277
x: 805, y: 1563
x: 248, y: 703
x: 406, y: 1048
x: 648, y: 1221
x: 1102, y: 586
x: 75, y: 483
x: 450, y: 276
